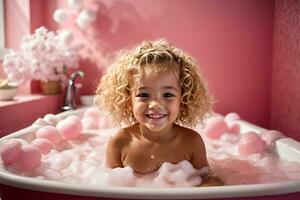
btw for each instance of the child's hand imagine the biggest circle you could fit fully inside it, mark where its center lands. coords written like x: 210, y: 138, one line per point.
x: 210, y: 179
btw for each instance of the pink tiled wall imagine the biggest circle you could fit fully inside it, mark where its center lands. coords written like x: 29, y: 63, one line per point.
x: 285, y: 110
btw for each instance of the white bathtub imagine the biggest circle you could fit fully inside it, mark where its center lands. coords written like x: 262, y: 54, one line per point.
x: 13, y: 185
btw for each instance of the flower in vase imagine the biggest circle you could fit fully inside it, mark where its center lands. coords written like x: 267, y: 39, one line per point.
x: 45, y: 55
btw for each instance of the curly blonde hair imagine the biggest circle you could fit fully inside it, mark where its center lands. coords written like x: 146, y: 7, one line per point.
x: 114, y: 90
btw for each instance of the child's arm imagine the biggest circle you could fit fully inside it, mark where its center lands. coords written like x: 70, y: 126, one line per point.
x: 199, y: 159
x: 113, y: 150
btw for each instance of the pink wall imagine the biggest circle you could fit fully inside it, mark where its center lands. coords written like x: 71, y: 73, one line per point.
x: 231, y: 40
x: 285, y: 112
x: 22, y: 17
x: 17, y: 13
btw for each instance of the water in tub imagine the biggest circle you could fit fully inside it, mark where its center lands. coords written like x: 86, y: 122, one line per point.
x: 72, y: 150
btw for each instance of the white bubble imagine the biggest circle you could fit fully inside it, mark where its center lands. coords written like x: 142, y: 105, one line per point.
x: 60, y: 16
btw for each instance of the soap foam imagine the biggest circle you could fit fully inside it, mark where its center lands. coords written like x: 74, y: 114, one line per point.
x: 82, y: 160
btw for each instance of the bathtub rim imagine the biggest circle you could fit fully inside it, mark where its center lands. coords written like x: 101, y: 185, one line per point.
x: 250, y: 190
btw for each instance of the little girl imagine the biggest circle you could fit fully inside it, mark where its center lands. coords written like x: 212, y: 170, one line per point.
x: 155, y: 89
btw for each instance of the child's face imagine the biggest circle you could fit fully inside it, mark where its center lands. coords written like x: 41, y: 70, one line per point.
x: 156, y: 101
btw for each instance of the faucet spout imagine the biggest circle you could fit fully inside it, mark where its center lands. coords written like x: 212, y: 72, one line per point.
x: 70, y: 95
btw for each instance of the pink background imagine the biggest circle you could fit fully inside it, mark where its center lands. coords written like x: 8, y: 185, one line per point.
x: 246, y: 50
x: 285, y: 115
x: 232, y: 42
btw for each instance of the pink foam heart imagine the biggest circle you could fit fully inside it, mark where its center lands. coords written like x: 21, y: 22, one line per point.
x: 69, y: 129
x: 251, y: 143
x: 73, y: 118
x: 92, y: 112
x: 232, y: 117
x: 216, y: 127
x: 43, y: 145
x: 50, y: 133
x: 234, y: 128
x: 90, y: 123
x: 11, y: 151
x: 30, y: 159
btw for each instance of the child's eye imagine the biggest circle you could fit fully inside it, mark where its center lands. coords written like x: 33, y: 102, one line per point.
x: 143, y: 95
x: 168, y: 94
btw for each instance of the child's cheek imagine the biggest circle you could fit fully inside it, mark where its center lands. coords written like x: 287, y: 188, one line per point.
x: 138, y: 108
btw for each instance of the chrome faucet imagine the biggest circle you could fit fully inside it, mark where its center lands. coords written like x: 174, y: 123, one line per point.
x: 70, y: 95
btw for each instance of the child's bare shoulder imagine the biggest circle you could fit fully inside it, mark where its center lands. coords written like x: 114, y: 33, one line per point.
x: 190, y: 136
x: 187, y: 133
x: 121, y: 138
x: 115, y: 146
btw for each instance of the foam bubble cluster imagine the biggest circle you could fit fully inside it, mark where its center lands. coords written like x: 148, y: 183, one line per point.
x: 72, y: 150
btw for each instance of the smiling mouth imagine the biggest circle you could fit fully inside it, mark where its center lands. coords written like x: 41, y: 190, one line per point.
x: 156, y: 116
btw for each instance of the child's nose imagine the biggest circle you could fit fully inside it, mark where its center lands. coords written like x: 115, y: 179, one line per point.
x: 155, y: 104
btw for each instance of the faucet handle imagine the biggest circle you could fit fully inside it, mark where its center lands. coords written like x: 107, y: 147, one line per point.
x: 75, y: 74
